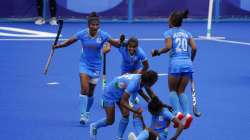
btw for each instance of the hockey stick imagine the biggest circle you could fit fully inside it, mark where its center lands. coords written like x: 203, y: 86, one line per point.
x: 194, y: 99
x: 104, y: 71
x: 60, y: 22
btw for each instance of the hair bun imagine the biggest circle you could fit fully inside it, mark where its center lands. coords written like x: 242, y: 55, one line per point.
x: 185, y: 13
x: 93, y: 14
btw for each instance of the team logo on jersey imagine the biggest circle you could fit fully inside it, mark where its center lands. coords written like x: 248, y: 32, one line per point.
x: 120, y: 85
x: 98, y: 40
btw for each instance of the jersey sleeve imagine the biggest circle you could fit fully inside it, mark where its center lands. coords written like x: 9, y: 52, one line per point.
x: 189, y: 35
x: 79, y: 34
x: 142, y: 55
x: 122, y: 48
x: 167, y: 114
x: 132, y: 88
x: 105, y: 36
x: 167, y: 34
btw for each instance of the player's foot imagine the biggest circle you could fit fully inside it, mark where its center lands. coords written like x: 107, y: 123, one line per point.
x: 53, y: 21
x: 180, y: 116
x: 93, y: 131
x: 40, y: 21
x: 84, y: 118
x: 188, y: 122
x: 132, y: 136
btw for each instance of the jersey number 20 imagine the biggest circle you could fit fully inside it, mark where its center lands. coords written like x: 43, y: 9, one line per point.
x: 181, y: 44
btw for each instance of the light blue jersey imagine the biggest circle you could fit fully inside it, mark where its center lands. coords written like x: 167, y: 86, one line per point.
x: 129, y: 83
x: 180, y: 60
x: 90, y: 61
x: 159, y: 123
x: 132, y: 62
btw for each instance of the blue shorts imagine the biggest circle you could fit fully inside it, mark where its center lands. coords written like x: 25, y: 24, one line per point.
x: 183, y: 74
x: 180, y: 66
x: 94, y: 74
x: 107, y: 104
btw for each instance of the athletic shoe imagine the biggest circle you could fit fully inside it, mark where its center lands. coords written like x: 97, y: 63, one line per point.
x: 132, y: 136
x: 53, y: 21
x: 93, y: 131
x: 180, y: 116
x: 188, y: 122
x: 40, y: 21
x: 84, y: 118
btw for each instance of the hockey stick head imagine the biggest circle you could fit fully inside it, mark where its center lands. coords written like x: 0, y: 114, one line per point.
x: 196, y: 113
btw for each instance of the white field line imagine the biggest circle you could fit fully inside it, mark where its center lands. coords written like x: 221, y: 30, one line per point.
x: 53, y: 83
x: 162, y: 74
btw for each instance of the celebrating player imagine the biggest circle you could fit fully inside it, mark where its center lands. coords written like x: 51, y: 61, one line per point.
x: 92, y: 39
x: 180, y: 71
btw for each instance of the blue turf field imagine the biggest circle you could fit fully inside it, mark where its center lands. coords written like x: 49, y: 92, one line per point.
x: 31, y: 109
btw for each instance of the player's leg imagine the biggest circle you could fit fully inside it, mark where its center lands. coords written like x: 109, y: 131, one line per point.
x: 173, y: 81
x: 123, y: 122
x: 52, y: 6
x: 184, y: 102
x: 91, y: 97
x: 84, y: 79
x: 108, y: 120
x: 138, y: 123
x: 40, y: 20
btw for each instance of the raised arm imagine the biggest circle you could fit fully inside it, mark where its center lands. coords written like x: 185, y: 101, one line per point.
x: 117, y: 43
x: 66, y: 43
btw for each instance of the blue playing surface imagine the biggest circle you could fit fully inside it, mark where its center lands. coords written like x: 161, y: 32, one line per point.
x: 32, y: 109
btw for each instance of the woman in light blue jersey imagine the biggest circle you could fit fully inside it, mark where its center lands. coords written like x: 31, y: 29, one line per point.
x: 179, y: 41
x: 161, y: 118
x: 118, y: 92
x: 92, y: 39
x: 134, y: 60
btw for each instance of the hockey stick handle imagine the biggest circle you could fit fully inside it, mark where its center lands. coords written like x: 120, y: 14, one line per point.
x: 52, y: 50
x: 104, y: 71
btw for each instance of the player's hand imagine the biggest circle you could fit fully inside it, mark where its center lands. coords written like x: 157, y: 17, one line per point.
x: 56, y: 46
x: 155, y: 52
x: 139, y: 111
x: 106, y: 47
x: 122, y: 38
x: 170, y: 108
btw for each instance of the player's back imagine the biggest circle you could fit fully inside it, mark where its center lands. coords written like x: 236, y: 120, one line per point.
x: 180, y: 39
x: 128, y: 82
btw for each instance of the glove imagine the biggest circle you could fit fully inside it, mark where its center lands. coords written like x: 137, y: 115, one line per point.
x: 122, y: 38
x: 155, y: 53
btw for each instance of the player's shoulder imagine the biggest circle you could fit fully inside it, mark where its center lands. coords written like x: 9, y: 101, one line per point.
x: 168, y: 32
x: 83, y: 32
x: 185, y: 31
x: 102, y: 32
